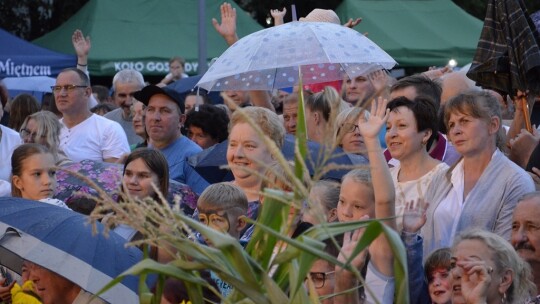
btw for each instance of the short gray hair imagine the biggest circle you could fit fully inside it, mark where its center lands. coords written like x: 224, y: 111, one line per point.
x: 128, y: 76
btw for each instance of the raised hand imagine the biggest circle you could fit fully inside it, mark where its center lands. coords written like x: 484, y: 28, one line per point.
x: 349, y: 244
x: 522, y: 146
x: 278, y: 15
x: 5, y: 291
x: 517, y: 100
x: 475, y: 279
x: 371, y: 127
x: 81, y: 44
x: 352, y: 22
x: 227, y: 28
x: 434, y: 72
x: 379, y: 80
x: 414, y: 216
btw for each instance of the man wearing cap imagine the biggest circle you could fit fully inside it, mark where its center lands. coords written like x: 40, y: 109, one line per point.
x: 164, y: 118
x: 85, y: 135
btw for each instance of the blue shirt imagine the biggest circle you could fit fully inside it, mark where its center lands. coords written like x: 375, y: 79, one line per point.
x: 176, y: 154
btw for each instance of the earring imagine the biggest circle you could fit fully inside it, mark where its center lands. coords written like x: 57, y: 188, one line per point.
x: 503, y: 299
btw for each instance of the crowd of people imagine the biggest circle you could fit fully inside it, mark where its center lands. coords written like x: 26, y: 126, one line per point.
x: 433, y: 161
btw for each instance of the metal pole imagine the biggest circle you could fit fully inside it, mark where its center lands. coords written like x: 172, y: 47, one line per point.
x: 203, y: 65
x: 293, y: 12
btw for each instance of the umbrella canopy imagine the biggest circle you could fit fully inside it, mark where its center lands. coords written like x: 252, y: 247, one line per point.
x: 508, y: 55
x: 270, y: 58
x: 32, y: 84
x: 62, y: 241
x: 208, y: 162
x: 186, y: 85
x: 20, y: 58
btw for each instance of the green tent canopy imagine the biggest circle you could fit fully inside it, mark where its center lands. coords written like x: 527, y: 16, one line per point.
x: 417, y: 32
x: 144, y: 34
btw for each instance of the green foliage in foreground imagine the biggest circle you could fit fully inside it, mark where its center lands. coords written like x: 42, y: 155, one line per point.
x: 272, y: 269
x: 248, y: 270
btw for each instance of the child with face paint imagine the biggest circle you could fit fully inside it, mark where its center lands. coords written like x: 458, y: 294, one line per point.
x: 222, y: 207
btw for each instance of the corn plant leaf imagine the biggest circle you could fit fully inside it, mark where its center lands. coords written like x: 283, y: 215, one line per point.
x: 301, y: 136
x: 300, y: 296
x: 147, y: 266
x: 275, y: 294
x: 231, y: 254
x: 272, y: 215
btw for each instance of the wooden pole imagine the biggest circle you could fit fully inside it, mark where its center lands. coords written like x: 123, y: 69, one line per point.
x: 526, y: 113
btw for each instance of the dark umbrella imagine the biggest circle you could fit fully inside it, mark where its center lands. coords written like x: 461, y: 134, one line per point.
x: 186, y: 85
x: 507, y: 58
x: 208, y: 163
x: 62, y: 241
x: 508, y: 55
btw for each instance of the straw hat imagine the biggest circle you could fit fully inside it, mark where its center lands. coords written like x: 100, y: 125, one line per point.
x: 322, y: 15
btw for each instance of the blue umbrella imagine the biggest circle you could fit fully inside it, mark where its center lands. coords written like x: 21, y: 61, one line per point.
x: 62, y: 241
x: 208, y: 163
x: 186, y: 85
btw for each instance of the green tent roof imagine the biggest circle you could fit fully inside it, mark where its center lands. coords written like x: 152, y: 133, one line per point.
x: 143, y: 34
x: 417, y: 32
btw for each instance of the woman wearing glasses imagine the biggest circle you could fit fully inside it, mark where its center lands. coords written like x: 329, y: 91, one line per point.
x: 44, y: 128
x: 348, y: 135
x: 411, y: 130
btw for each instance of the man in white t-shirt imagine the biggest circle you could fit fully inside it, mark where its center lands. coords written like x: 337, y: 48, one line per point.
x: 85, y: 135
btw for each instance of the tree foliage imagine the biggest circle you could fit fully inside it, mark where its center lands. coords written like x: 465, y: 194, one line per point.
x: 30, y: 19
x: 260, y: 10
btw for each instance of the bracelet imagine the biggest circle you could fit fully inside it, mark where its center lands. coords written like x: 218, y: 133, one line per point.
x: 82, y: 64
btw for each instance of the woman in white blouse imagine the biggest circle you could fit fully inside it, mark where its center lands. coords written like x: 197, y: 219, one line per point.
x: 410, y: 131
x: 482, y: 189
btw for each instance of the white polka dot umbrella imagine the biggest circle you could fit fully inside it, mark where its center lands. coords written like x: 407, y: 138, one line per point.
x: 270, y: 58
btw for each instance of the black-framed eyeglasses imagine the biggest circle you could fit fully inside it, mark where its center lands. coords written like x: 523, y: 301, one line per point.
x: 67, y: 87
x: 318, y: 278
x: 350, y: 127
